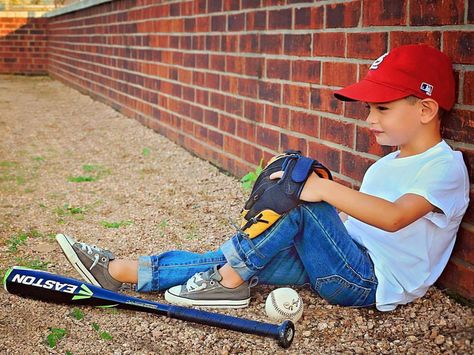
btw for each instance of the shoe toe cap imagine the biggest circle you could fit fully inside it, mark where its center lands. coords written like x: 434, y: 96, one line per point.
x: 175, y: 290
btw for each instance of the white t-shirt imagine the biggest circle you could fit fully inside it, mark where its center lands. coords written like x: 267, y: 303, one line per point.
x: 410, y: 260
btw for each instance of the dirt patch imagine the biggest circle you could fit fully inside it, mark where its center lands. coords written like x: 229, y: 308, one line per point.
x: 69, y: 164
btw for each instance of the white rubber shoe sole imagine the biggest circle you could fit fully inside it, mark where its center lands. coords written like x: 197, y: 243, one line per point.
x: 66, y: 244
x: 172, y: 297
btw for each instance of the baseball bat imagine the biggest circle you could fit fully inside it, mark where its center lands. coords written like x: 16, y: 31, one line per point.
x: 45, y: 286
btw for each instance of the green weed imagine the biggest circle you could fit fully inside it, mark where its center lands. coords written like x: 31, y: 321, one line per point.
x: 36, y: 264
x: 249, y: 179
x: 81, y: 178
x: 76, y: 212
x: 91, y: 168
x: 50, y: 236
x: 146, y: 152
x: 6, y: 174
x: 20, y: 180
x: 95, y: 172
x: 191, y: 236
x: 38, y: 158
x: 15, y: 241
x: 192, y: 231
x: 65, y: 211
x: 76, y: 313
x: 35, y: 234
x: 55, y: 335
x: 162, y: 226
x: 8, y: 164
x: 107, y: 224
x: 103, y: 334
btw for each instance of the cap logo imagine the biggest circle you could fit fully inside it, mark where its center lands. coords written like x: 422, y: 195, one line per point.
x: 376, y: 63
x: 426, y: 88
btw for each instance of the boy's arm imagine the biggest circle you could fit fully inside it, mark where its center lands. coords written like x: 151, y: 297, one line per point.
x: 380, y: 213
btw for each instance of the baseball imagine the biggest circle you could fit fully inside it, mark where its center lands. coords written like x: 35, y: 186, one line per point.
x: 284, y: 303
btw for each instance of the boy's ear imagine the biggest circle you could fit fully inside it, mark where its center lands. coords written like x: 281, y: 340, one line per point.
x: 429, y: 110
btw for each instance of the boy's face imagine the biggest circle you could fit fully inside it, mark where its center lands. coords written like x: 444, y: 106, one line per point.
x: 394, y: 123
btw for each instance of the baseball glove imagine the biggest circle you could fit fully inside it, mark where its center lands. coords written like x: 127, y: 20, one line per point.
x: 271, y: 199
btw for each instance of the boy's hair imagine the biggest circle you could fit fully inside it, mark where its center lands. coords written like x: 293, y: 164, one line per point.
x: 412, y: 70
x: 412, y: 99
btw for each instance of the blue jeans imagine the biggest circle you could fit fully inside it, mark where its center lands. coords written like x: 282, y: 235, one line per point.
x: 309, y: 245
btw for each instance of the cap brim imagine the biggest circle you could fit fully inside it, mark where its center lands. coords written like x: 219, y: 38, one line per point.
x: 370, y: 91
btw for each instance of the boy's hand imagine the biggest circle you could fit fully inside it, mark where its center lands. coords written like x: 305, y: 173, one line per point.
x: 310, y: 192
x: 277, y: 175
x: 275, y: 194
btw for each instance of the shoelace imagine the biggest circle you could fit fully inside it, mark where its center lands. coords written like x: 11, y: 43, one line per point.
x: 192, y: 283
x: 89, y: 249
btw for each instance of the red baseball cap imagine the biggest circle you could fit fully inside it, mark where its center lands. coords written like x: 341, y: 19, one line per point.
x: 417, y: 69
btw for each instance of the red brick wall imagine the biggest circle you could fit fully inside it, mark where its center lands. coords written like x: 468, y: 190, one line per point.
x: 235, y: 81
x: 23, y: 45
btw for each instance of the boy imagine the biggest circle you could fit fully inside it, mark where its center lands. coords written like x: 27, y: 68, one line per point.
x: 391, y: 240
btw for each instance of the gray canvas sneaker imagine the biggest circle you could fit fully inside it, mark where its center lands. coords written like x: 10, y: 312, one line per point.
x: 204, y: 289
x: 90, y: 261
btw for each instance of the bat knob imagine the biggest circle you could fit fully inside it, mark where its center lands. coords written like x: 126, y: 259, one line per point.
x: 286, y: 333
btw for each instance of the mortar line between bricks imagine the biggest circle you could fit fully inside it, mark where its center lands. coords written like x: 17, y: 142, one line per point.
x: 346, y: 47
x: 407, y: 15
x: 461, y: 145
x: 350, y: 30
x: 275, y: 31
x: 324, y: 17
x: 461, y: 86
x: 464, y: 107
x: 220, y: 92
x: 466, y: 9
x: 468, y: 226
x: 263, y: 125
x: 464, y: 67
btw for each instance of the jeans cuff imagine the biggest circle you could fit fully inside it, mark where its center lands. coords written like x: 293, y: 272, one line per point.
x: 145, y: 274
x: 235, y: 260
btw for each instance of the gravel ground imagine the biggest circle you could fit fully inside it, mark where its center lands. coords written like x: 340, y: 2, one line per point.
x: 163, y: 198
